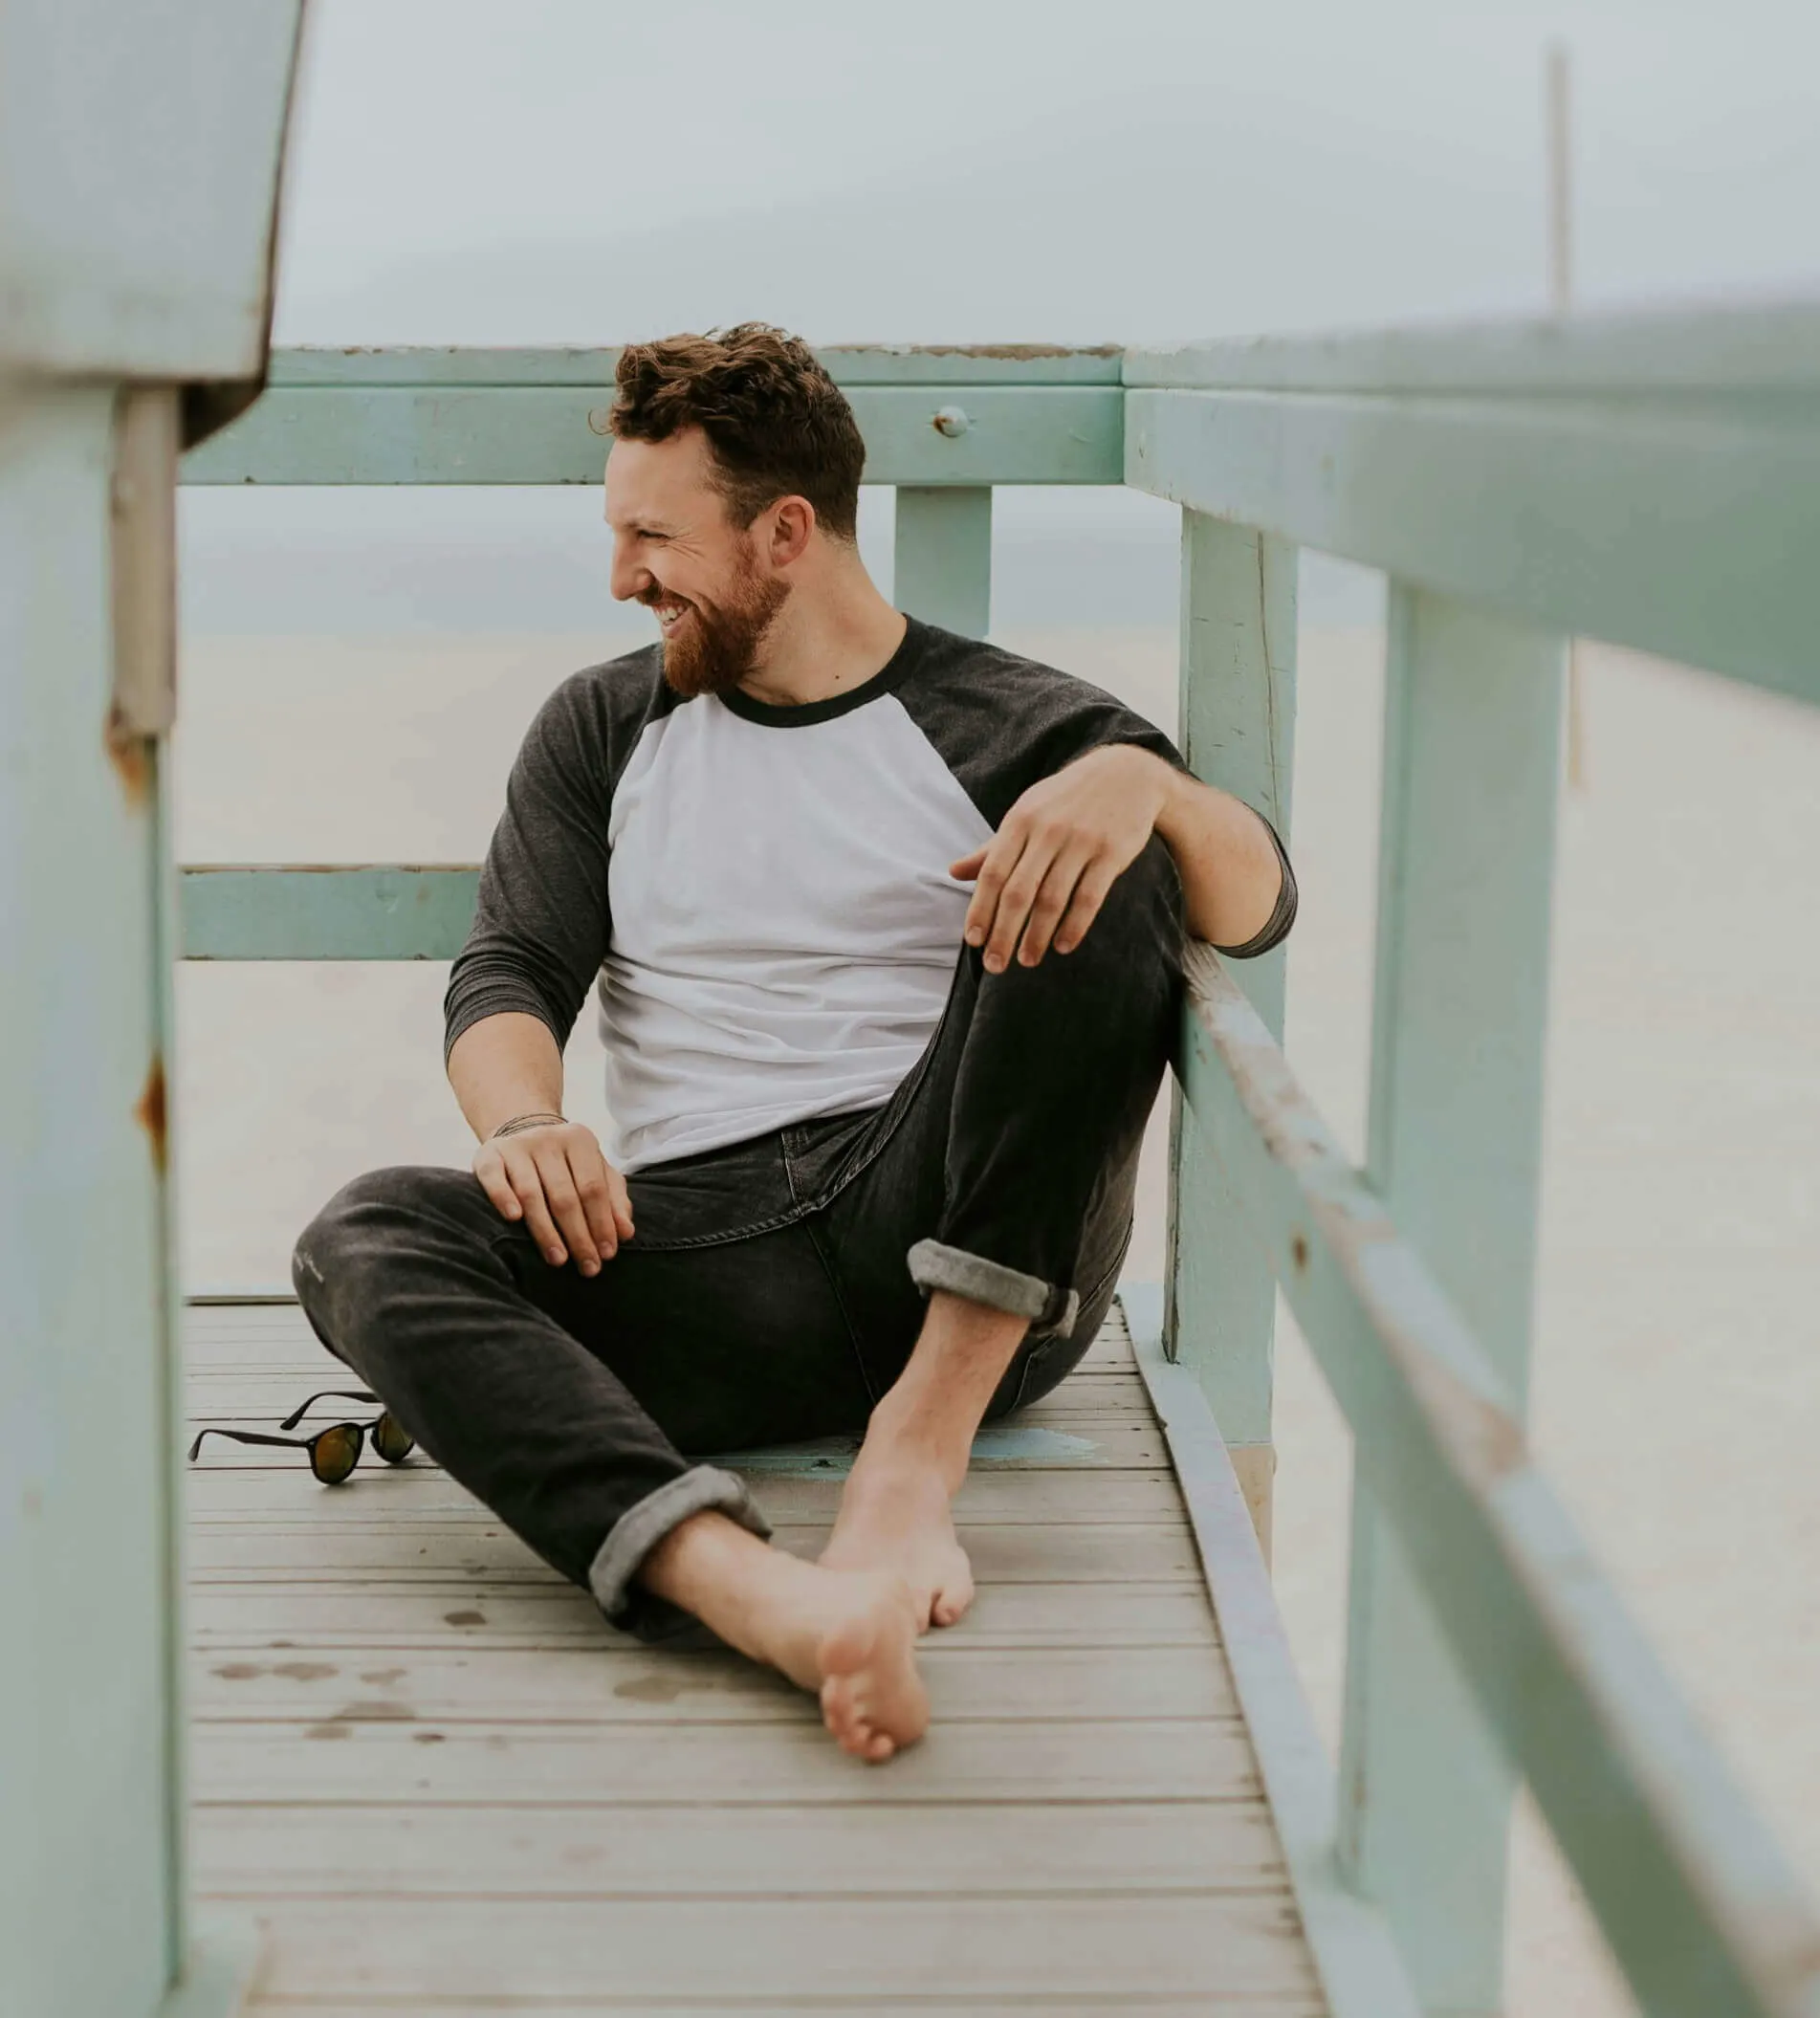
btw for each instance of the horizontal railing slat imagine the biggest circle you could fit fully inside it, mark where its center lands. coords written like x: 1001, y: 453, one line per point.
x: 359, y: 912
x: 1690, y: 1889
x: 455, y: 433
x: 946, y: 364
x: 1687, y: 534
x: 1772, y: 347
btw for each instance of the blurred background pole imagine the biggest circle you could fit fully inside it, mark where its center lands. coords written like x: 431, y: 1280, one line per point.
x: 1558, y: 97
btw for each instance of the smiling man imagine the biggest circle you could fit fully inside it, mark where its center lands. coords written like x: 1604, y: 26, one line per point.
x: 885, y: 927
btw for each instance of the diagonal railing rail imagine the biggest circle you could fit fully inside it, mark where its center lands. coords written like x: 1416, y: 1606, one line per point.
x: 1652, y: 482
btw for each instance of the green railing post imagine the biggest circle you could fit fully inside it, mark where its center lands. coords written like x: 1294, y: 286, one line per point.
x: 1238, y: 732
x: 90, y: 1891
x: 943, y: 566
x: 1471, y: 764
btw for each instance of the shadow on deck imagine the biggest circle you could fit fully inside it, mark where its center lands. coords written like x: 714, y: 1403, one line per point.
x: 442, y: 1785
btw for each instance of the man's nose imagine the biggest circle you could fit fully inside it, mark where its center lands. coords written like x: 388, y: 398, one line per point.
x: 629, y: 577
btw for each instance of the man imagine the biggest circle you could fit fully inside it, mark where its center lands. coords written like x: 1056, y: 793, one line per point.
x: 886, y: 929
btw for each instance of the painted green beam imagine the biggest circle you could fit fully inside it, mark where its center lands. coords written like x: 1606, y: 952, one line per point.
x: 1694, y: 1895
x: 364, y: 911
x: 388, y: 433
x: 847, y: 364
x: 1708, y: 352
x: 1670, y: 524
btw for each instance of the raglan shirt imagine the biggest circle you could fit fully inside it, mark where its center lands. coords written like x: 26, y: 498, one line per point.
x: 758, y: 894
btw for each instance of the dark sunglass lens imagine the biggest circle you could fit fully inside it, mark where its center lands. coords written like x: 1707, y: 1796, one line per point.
x: 391, y: 1441
x: 335, y: 1452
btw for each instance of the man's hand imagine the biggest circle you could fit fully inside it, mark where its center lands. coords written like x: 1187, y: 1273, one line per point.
x: 555, y: 1178
x: 1045, y: 873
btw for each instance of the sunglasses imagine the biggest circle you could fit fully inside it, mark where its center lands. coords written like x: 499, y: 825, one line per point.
x: 335, y: 1451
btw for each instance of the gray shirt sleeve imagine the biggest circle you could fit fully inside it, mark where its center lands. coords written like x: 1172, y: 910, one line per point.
x: 542, y: 922
x: 1001, y: 722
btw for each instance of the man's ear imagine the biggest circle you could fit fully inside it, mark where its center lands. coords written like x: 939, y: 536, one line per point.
x: 792, y: 524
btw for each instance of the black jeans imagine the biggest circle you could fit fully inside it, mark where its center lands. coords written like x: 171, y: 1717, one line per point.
x: 774, y: 1289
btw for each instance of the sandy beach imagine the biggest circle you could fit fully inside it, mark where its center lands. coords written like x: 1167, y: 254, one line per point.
x: 1678, y: 1364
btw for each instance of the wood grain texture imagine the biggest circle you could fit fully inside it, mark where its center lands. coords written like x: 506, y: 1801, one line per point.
x: 439, y: 1781
x: 480, y: 1852
x: 842, y: 1951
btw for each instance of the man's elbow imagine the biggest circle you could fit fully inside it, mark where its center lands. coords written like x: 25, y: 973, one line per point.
x: 1262, y: 916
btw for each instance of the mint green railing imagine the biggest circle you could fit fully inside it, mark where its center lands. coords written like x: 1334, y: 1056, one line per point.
x: 1652, y: 482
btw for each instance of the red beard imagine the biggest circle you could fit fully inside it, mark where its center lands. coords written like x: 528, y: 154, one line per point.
x: 715, y: 646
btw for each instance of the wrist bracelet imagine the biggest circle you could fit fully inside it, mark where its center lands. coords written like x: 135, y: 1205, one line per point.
x: 519, y: 1122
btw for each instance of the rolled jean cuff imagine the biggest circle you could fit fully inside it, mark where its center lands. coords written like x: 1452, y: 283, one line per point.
x: 703, y: 1489
x: 936, y: 1267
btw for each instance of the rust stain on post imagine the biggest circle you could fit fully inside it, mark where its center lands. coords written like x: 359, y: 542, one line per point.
x: 131, y: 756
x: 150, y: 1112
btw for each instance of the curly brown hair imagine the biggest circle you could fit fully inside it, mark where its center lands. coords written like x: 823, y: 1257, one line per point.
x: 777, y: 423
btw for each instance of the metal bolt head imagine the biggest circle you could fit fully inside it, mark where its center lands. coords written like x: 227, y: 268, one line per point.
x: 952, y: 420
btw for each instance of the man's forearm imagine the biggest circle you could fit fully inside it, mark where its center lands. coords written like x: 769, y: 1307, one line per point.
x: 1231, y: 876
x: 503, y: 1065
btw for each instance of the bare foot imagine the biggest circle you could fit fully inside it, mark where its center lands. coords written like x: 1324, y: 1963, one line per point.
x: 898, y: 1519
x: 850, y: 1638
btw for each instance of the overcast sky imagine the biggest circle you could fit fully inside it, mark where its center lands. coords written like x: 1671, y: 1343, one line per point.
x: 582, y: 170
x: 538, y: 171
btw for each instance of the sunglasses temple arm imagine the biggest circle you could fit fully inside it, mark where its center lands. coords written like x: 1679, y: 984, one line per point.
x: 288, y: 1443
x: 303, y: 1409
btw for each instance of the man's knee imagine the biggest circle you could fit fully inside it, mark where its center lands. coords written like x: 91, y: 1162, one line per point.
x: 376, y: 1219
x: 1130, y: 955
x: 1143, y: 909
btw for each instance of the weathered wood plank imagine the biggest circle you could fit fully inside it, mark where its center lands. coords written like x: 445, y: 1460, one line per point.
x: 594, y: 366
x: 1096, y: 1407
x: 1259, y: 2004
x: 1352, y: 1942
x: 1105, y: 1849
x: 1691, y: 1889
x: 329, y: 911
x: 264, y: 1398
x: 1117, y: 1441
x: 828, y: 1950
x: 1759, y: 349
x: 1053, y: 1613
x: 623, y: 1683
x: 378, y: 1496
x: 1680, y: 529
x: 272, y: 1558
x: 398, y: 1711
x: 725, y: 1761
x: 208, y: 1327
x: 556, y: 434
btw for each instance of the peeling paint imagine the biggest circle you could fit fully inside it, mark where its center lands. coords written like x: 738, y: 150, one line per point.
x: 1010, y: 353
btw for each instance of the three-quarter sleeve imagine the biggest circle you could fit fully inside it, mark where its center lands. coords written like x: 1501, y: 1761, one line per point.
x: 541, y: 924
x: 1283, y: 915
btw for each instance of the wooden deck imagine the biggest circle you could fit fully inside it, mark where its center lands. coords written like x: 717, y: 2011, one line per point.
x: 442, y: 1785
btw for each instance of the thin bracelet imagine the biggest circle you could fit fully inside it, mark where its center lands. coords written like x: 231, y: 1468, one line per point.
x: 519, y: 1122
